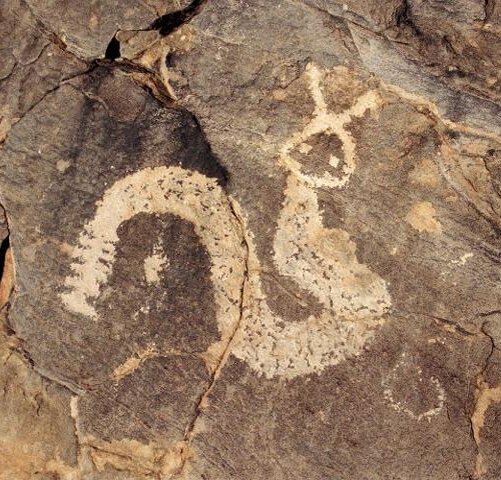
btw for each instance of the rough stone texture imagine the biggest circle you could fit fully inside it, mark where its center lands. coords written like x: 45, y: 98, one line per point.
x: 250, y: 240
x: 86, y: 28
x: 34, y: 62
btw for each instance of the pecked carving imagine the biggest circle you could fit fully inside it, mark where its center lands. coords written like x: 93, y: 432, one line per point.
x: 320, y: 260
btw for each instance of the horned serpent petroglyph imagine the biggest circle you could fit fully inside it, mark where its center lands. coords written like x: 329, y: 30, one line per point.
x: 354, y: 299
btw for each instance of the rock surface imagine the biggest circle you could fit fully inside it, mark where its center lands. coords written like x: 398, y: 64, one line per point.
x: 250, y: 240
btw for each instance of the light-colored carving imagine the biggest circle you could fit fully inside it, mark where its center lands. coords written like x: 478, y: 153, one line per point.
x: 323, y: 121
x: 189, y: 195
x: 401, y: 406
x: 318, y: 259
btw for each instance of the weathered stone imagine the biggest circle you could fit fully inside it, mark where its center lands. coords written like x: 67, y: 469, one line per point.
x: 256, y: 241
x: 33, y: 63
x: 37, y: 433
x: 86, y: 28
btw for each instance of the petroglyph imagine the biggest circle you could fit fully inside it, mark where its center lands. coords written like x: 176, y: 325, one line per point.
x: 327, y: 126
x: 321, y: 260
x: 330, y: 123
x: 187, y: 194
x: 411, y: 373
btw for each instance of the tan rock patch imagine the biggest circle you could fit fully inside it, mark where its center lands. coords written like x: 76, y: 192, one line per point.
x: 425, y: 173
x: 422, y: 217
